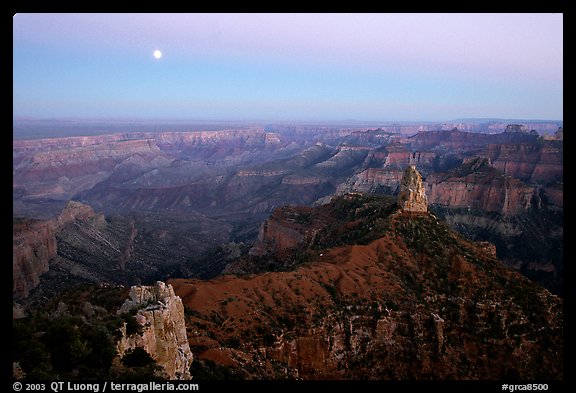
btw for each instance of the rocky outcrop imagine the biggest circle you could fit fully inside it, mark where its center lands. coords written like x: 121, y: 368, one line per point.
x: 412, y: 195
x: 160, y: 314
x: 75, y: 211
x: 275, y: 235
x: 33, y: 246
x: 521, y: 128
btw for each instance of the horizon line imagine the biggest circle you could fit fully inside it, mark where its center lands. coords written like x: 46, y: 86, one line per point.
x: 244, y: 121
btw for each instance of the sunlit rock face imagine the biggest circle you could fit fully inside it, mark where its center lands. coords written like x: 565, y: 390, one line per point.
x: 412, y: 197
x: 160, y: 313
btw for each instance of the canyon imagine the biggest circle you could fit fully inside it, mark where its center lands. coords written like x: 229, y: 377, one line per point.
x: 305, y: 252
x: 168, y: 200
x: 376, y: 292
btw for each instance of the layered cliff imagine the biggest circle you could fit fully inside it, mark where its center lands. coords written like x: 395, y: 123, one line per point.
x: 61, y: 168
x: 121, y: 250
x: 33, y: 247
x: 457, y: 141
x: 478, y: 185
x: 399, y: 156
x: 186, y: 192
x: 162, y: 331
x: 175, y: 140
x: 540, y: 163
x: 63, y: 172
x: 373, y: 180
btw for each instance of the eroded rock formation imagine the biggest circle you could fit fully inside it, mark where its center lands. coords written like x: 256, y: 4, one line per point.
x: 160, y: 314
x: 373, y: 180
x: 33, y: 246
x: 275, y: 235
x: 478, y: 185
x: 534, y: 163
x: 412, y: 196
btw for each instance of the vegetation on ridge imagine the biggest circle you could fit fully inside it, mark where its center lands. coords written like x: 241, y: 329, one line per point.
x: 73, y: 336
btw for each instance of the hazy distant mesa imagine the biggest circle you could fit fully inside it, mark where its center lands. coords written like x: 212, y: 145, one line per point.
x: 37, y: 128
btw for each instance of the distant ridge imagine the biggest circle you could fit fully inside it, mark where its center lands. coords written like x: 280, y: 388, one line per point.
x: 499, y: 120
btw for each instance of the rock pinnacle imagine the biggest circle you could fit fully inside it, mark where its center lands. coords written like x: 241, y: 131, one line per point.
x: 412, y: 196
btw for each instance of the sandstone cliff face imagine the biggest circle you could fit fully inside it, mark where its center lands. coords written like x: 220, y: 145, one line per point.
x: 534, y: 163
x: 477, y: 185
x: 373, y: 180
x: 412, y: 196
x: 160, y: 313
x: 399, y: 157
x: 274, y: 235
x: 33, y: 246
x: 457, y: 141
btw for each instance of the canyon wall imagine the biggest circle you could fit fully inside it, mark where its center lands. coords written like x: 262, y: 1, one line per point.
x: 33, y: 246
x: 373, y: 180
x: 275, y: 235
x: 477, y: 185
x: 534, y: 163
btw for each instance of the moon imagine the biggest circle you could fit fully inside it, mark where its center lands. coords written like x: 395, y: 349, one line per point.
x: 157, y: 54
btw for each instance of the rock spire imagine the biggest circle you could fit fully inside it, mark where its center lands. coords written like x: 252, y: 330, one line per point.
x: 160, y: 313
x: 412, y: 196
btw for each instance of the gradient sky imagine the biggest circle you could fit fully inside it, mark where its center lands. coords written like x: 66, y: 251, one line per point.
x: 289, y: 66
